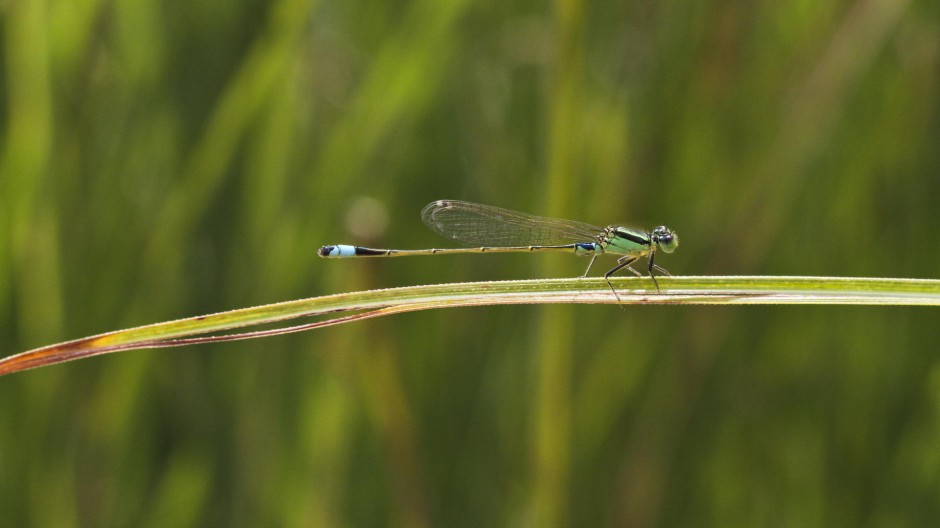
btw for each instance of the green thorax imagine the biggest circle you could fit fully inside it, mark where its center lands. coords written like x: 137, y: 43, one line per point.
x: 626, y: 241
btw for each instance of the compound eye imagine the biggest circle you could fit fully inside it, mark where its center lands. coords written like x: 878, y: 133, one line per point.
x: 666, y: 239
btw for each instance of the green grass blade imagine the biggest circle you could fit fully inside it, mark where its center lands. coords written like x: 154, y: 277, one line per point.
x: 375, y: 303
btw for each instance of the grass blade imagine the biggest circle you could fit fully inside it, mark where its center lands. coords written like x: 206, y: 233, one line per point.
x: 685, y: 290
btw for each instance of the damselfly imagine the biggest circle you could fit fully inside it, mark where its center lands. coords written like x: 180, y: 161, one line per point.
x: 497, y: 230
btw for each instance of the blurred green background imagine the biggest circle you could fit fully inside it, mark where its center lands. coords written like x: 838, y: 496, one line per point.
x: 169, y: 159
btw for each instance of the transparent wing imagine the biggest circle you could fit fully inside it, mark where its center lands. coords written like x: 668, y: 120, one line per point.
x: 484, y: 225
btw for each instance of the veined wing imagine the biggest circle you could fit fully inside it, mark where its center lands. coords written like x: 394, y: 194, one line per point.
x: 484, y: 225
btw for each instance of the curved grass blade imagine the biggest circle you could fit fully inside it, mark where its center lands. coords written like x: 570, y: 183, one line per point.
x: 377, y: 303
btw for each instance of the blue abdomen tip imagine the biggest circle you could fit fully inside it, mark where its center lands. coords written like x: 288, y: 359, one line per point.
x: 340, y: 250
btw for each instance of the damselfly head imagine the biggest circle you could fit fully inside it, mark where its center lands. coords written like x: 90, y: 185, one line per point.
x: 665, y: 238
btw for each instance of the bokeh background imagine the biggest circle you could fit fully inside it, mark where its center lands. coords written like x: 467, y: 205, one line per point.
x: 169, y: 159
